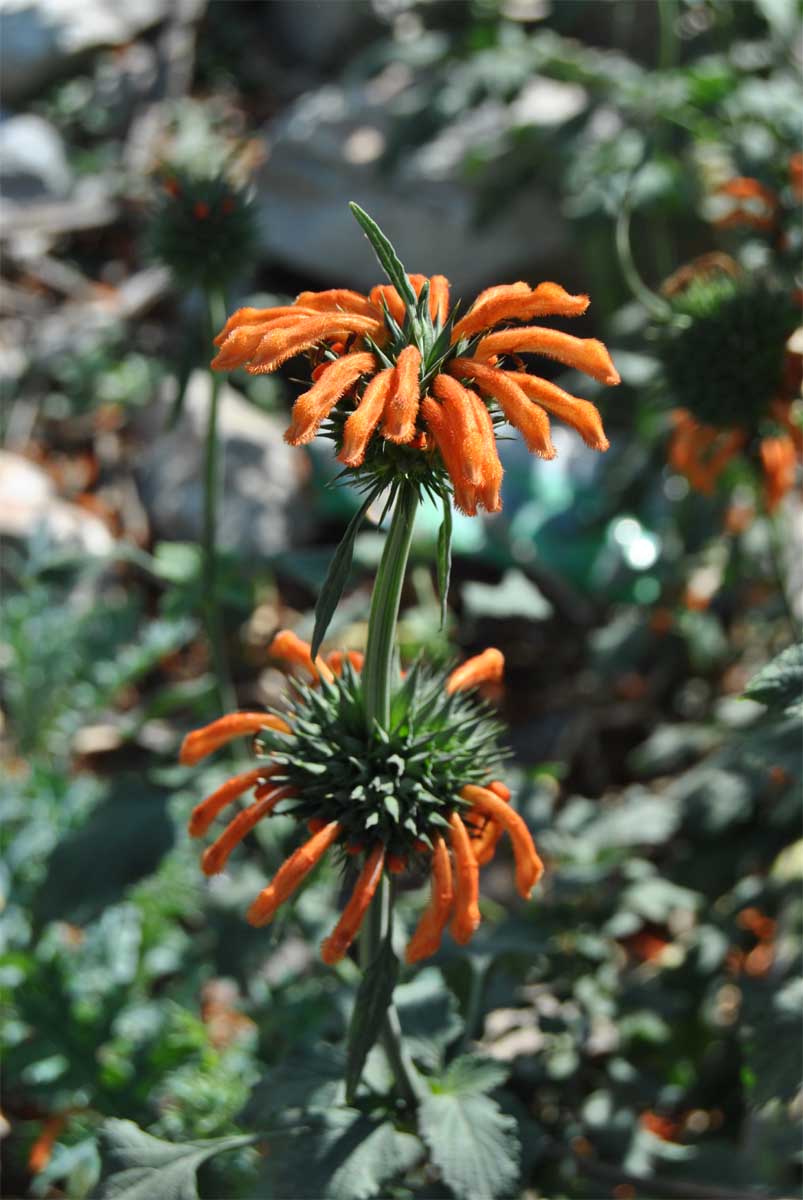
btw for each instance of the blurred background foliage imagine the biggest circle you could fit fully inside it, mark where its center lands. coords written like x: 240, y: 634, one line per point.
x: 635, y: 1031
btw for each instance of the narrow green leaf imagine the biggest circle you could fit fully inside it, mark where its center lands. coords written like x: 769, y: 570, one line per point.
x: 373, y: 998
x: 337, y: 576
x: 141, y: 1166
x: 445, y: 556
x: 388, y: 258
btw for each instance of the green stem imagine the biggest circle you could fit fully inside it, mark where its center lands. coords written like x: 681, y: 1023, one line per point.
x: 216, y: 315
x: 378, y: 669
x: 776, y: 549
x: 378, y: 679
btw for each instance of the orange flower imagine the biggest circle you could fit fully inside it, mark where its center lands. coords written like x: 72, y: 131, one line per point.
x: 472, y: 824
x: 394, y: 374
x: 747, y: 201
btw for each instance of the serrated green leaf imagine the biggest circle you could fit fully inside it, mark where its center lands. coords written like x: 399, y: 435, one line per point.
x: 141, y: 1166
x: 473, y: 1144
x: 373, y: 998
x: 337, y: 576
x: 779, y: 685
x: 472, y: 1076
x: 342, y: 1155
x: 444, y: 553
x: 388, y: 258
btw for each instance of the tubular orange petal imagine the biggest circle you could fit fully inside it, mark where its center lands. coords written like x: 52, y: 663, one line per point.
x: 256, y: 316
x: 439, y: 298
x: 529, y: 867
x: 291, y: 874
x: 466, y: 910
x: 335, y: 946
x: 313, y: 406
x: 488, y: 301
x: 387, y: 295
x: 342, y: 299
x: 360, y: 426
x: 546, y: 300
x: 492, y: 470
x: 531, y: 421
x: 487, y: 667
x: 204, y: 813
x: 778, y: 458
x: 485, y: 846
x: 279, y: 345
x: 336, y: 659
x: 201, y: 742
x: 289, y: 647
x: 500, y: 789
x: 580, y: 414
x: 464, y: 429
x: 428, y: 933
x: 216, y: 856
x: 401, y: 406
x: 586, y: 354
x: 465, y: 496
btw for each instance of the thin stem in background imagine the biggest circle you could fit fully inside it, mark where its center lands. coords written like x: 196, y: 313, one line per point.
x: 378, y: 681
x: 216, y: 315
x: 776, y: 549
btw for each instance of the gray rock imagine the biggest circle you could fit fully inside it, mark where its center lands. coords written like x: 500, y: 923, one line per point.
x: 262, y: 511
x: 40, y: 38
x: 33, y: 164
x: 30, y: 510
x: 326, y: 150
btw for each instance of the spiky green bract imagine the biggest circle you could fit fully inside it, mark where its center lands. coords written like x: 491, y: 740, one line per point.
x: 203, y: 228
x: 723, y: 355
x: 396, y: 786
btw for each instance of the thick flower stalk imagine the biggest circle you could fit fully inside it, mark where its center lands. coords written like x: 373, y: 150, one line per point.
x: 419, y: 797
x: 407, y: 387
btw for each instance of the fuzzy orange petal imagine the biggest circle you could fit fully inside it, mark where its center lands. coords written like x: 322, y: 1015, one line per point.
x: 466, y: 908
x: 779, y: 460
x: 258, y: 316
x: 315, y: 405
x: 404, y: 397
x: 201, y: 742
x: 428, y: 933
x: 585, y: 354
x: 216, y: 856
x: 360, y: 426
x: 580, y: 414
x: 335, y: 946
x: 546, y: 300
x: 204, y: 813
x: 290, y: 648
x: 531, y: 421
x: 465, y: 432
x: 243, y: 341
x: 487, y: 667
x: 529, y: 867
x: 439, y: 298
x: 291, y: 874
x: 465, y: 495
x: 337, y: 658
x: 387, y: 295
x: 342, y: 299
x: 279, y: 345
x: 492, y: 470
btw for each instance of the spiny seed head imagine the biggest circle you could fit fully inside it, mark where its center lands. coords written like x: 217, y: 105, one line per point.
x: 203, y: 228
x: 723, y: 354
x: 395, y: 786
